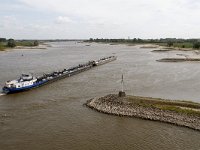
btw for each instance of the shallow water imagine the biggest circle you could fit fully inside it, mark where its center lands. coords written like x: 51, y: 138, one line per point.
x: 53, y: 116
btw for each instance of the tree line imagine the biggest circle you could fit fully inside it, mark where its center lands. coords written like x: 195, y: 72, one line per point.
x: 167, y: 41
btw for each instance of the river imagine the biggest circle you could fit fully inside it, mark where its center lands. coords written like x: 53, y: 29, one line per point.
x: 54, y: 117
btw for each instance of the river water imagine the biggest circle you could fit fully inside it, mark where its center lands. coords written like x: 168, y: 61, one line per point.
x: 53, y: 116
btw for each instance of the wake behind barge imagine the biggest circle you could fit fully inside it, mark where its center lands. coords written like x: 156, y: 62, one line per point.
x: 27, y: 81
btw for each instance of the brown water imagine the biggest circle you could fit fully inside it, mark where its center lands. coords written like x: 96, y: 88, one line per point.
x: 53, y: 116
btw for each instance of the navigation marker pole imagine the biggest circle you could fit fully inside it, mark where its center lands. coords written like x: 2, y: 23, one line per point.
x: 122, y: 82
x: 122, y: 93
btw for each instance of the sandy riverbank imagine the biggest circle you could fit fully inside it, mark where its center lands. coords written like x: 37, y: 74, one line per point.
x: 181, y: 113
x: 178, y: 59
x: 31, y: 47
x: 161, y: 50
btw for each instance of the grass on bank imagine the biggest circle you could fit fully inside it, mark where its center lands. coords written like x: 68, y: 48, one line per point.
x: 183, y: 107
x: 178, y: 45
x: 183, y: 45
x: 25, y: 43
x: 3, y: 45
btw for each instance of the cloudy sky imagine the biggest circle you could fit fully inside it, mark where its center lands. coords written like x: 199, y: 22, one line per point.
x: 81, y: 19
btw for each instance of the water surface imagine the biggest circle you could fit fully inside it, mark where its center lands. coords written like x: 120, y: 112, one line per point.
x: 53, y: 116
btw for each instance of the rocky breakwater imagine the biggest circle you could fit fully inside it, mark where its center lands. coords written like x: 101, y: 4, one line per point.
x: 180, y: 113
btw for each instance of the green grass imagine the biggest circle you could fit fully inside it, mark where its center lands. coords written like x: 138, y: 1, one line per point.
x: 188, y: 111
x: 184, y: 107
x: 183, y: 45
x: 178, y: 45
x: 2, y: 46
x: 25, y: 43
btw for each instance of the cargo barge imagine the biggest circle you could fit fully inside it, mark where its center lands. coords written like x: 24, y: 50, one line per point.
x: 27, y: 81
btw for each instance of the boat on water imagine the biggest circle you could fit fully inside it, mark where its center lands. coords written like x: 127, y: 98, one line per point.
x: 28, y: 81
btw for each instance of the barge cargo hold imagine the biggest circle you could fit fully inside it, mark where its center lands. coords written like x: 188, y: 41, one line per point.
x: 27, y: 81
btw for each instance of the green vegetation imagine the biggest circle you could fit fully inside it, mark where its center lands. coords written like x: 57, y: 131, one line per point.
x: 27, y: 43
x: 183, y: 107
x: 2, y: 40
x: 119, y: 40
x: 11, y: 43
x: 183, y: 45
x: 182, y: 110
x: 196, y: 45
x: 169, y: 42
x: 2, y: 46
x: 35, y: 43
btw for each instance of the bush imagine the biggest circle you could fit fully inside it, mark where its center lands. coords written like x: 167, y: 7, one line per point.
x: 169, y: 43
x: 196, y: 45
x: 11, y: 43
x: 36, y: 43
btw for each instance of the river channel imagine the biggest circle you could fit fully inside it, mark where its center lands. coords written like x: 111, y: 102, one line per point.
x: 54, y: 117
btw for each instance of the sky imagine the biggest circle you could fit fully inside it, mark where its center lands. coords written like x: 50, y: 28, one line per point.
x: 83, y: 19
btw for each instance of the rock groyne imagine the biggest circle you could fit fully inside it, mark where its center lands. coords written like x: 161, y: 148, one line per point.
x: 112, y: 104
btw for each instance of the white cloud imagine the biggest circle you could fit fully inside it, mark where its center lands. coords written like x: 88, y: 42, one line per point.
x: 63, y: 20
x: 8, y: 22
x: 116, y: 18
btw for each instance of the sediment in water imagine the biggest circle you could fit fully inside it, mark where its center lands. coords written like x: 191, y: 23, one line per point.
x: 112, y: 104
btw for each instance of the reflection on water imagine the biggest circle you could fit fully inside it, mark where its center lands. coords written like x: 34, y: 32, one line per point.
x: 53, y: 116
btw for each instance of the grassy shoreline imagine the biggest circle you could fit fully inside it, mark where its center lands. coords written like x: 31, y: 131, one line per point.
x: 181, y: 113
x: 3, y: 46
x: 186, y: 107
x: 18, y: 44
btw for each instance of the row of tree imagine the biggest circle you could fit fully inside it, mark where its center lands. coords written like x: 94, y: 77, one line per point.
x: 168, y: 41
x: 2, y: 39
x: 138, y: 40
